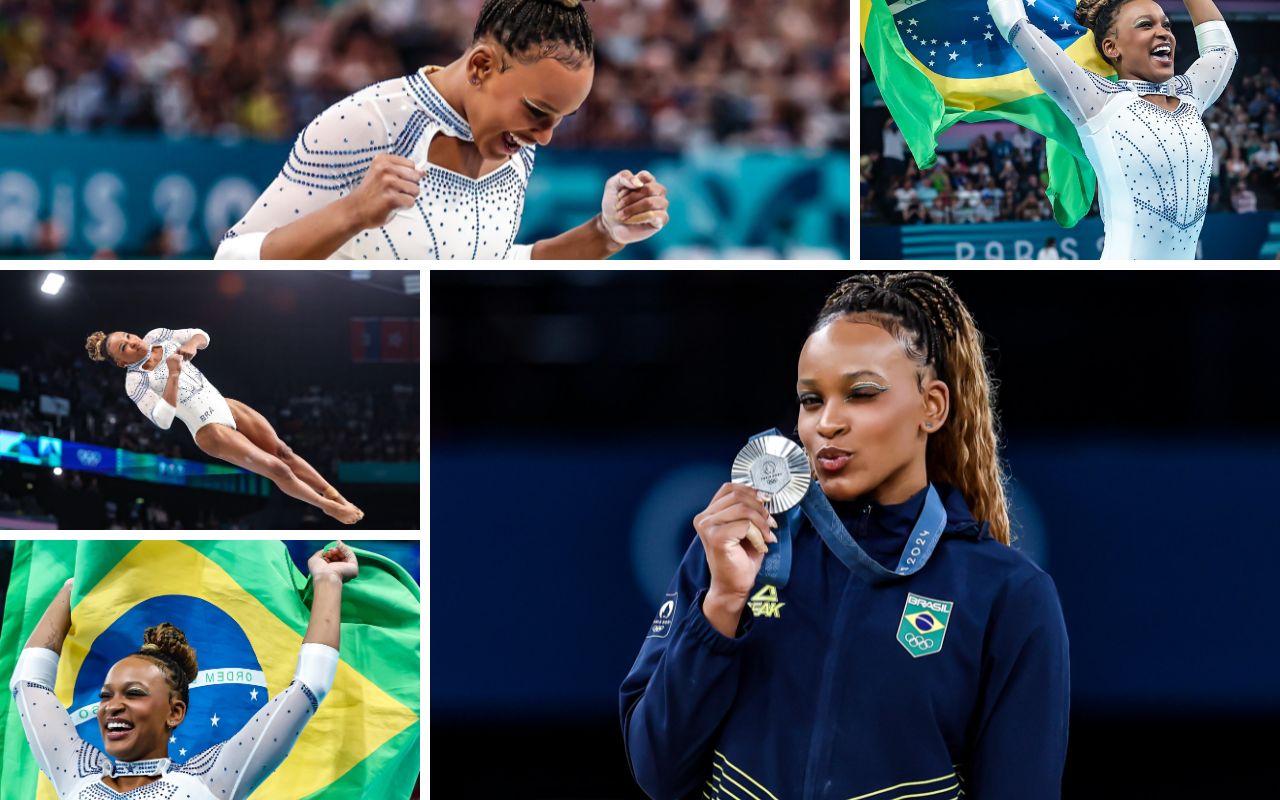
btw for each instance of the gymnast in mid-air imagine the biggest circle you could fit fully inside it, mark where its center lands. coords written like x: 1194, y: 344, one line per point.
x: 164, y: 384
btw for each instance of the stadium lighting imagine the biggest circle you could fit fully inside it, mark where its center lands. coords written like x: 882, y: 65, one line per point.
x: 57, y: 470
x: 53, y: 283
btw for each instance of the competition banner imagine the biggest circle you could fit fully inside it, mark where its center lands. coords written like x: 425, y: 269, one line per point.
x: 939, y: 62
x: 51, y: 452
x: 244, y: 607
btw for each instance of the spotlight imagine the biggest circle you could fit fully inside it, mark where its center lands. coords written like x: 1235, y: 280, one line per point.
x: 53, y: 283
x: 57, y: 470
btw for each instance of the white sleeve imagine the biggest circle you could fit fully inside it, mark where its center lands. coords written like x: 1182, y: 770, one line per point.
x: 244, y: 247
x: 519, y: 252
x: 59, y: 751
x: 180, y: 335
x: 1211, y: 71
x: 153, y: 406
x: 233, y: 769
x: 329, y: 159
x: 184, y: 335
x: 1078, y: 92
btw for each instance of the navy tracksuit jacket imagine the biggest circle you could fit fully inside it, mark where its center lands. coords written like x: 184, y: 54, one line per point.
x: 820, y: 697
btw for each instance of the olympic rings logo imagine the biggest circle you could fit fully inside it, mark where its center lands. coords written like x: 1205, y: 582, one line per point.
x: 920, y: 641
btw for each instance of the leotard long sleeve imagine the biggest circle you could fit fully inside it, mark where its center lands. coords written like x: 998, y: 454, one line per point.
x: 230, y: 770
x: 1153, y: 165
x: 454, y: 217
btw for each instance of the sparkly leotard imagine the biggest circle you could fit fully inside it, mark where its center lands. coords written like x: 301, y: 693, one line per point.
x: 230, y: 770
x: 199, y: 401
x: 454, y: 217
x: 1153, y: 165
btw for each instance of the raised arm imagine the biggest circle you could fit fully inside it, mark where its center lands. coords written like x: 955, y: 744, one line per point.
x: 53, y: 626
x: 1218, y: 53
x: 329, y: 570
x: 1202, y: 11
x: 233, y: 769
x: 61, y: 754
x: 1078, y: 92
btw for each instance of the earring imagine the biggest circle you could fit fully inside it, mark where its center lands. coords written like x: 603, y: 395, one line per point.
x: 475, y: 81
x: 929, y: 425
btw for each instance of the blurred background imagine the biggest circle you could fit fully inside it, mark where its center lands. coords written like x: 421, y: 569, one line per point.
x: 984, y: 198
x: 329, y: 358
x: 145, y: 128
x: 580, y: 420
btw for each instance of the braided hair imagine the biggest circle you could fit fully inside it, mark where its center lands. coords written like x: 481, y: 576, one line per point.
x: 1098, y: 16
x: 166, y: 646
x: 96, y: 346
x: 535, y: 29
x: 936, y: 331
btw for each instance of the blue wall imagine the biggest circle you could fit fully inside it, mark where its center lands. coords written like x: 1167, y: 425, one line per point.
x: 549, y: 561
x: 114, y: 192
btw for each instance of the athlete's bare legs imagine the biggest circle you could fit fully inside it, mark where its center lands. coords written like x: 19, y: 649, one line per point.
x: 235, y: 448
x: 256, y: 428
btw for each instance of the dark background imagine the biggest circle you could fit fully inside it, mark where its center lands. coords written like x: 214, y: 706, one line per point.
x: 280, y: 342
x: 581, y: 419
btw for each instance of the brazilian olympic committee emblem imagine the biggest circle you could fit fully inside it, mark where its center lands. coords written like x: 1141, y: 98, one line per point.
x: 923, y: 625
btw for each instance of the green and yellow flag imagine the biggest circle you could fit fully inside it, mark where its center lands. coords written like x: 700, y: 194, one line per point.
x: 244, y: 607
x: 939, y: 62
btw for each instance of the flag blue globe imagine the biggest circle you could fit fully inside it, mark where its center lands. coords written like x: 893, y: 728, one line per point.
x: 228, y: 691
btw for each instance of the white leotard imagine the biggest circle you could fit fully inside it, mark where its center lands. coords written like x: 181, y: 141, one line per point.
x: 1153, y: 165
x: 199, y: 401
x: 230, y: 770
x: 455, y: 217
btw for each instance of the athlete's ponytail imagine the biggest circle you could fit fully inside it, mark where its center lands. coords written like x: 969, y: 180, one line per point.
x: 927, y: 317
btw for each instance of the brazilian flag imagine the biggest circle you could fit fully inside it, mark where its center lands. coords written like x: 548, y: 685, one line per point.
x: 939, y: 62
x: 244, y: 606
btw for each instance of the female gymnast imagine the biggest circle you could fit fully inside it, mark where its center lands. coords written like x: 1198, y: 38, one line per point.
x: 164, y: 385
x: 434, y: 165
x: 145, y: 696
x: 877, y: 667
x: 1143, y: 135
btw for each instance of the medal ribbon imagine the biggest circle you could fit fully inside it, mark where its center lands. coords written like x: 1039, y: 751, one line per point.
x: 925, y: 535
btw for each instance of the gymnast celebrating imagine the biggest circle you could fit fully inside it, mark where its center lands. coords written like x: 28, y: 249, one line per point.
x: 163, y: 383
x: 1143, y: 134
x: 145, y: 696
x: 434, y: 165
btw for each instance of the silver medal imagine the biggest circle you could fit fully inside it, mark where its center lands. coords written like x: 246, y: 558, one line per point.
x: 776, y: 466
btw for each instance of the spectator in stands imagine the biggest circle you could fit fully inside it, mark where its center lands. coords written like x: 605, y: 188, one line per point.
x: 1243, y: 200
x: 1050, y: 250
x: 967, y: 201
x: 670, y: 73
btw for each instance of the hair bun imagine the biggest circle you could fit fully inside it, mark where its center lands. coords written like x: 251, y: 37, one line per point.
x: 1087, y: 11
x: 93, y: 345
x: 169, y: 641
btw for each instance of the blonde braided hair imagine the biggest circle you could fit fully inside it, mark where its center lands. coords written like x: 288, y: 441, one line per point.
x: 924, y: 313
